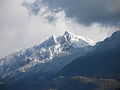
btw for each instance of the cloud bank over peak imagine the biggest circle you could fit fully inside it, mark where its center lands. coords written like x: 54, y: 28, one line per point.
x: 89, y: 11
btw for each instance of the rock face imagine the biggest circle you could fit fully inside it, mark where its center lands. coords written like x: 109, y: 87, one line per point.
x: 46, y: 59
x: 102, y: 62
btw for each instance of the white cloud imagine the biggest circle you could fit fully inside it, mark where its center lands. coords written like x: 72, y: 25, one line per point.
x: 18, y: 30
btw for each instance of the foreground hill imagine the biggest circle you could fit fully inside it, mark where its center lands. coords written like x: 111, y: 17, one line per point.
x: 65, y: 83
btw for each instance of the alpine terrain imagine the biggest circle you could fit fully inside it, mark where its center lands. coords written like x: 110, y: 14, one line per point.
x: 46, y: 59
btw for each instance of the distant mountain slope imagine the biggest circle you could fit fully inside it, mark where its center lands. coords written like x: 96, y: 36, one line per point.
x: 45, y: 59
x: 103, y: 61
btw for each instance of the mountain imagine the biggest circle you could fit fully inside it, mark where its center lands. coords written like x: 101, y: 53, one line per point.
x: 102, y: 62
x: 98, y: 69
x: 46, y: 59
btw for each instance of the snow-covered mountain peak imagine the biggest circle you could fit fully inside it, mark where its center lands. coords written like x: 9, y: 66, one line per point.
x: 67, y: 39
x: 47, y: 51
x: 76, y: 38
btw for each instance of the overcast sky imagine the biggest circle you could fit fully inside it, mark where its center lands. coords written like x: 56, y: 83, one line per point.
x: 23, y: 25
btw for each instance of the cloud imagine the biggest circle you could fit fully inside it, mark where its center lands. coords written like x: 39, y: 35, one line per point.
x: 20, y: 28
x: 89, y: 11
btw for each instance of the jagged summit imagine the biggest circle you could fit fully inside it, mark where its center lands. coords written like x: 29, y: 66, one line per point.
x: 71, y: 36
x: 69, y: 39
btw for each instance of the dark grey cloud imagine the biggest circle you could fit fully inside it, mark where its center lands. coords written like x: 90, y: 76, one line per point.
x: 88, y: 11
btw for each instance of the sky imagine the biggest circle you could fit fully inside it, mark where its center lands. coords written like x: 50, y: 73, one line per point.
x: 24, y: 23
